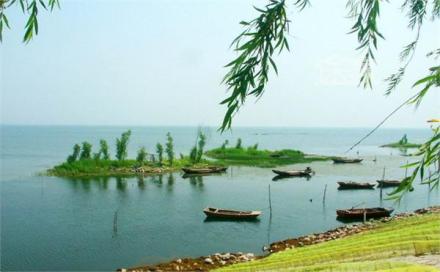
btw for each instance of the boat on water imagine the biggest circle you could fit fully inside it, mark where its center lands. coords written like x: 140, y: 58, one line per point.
x: 207, y: 170
x: 347, y: 185
x: 346, y: 160
x: 294, y: 173
x: 230, y: 214
x: 359, y: 213
x: 388, y: 183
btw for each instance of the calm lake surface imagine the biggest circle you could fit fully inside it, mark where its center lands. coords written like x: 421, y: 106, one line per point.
x: 50, y: 223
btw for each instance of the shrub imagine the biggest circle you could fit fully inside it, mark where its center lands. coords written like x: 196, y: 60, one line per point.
x: 86, y: 151
x: 169, y: 149
x: 238, y: 145
x: 121, y: 145
x: 75, y: 154
x: 159, y: 151
x: 141, y: 156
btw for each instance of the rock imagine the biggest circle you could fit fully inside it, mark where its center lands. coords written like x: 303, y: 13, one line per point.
x: 243, y: 258
x: 208, y: 261
x: 179, y: 261
x: 225, y: 256
x: 250, y: 255
x: 222, y: 262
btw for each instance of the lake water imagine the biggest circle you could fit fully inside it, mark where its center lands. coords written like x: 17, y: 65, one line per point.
x: 50, y: 223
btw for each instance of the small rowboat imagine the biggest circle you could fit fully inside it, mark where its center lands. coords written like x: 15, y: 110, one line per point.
x: 354, y: 185
x: 208, y: 170
x: 388, y: 183
x: 359, y: 213
x: 295, y: 173
x: 230, y: 214
x: 346, y: 160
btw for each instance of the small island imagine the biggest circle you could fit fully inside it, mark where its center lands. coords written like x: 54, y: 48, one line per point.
x: 252, y: 156
x: 83, y: 163
x: 402, y: 143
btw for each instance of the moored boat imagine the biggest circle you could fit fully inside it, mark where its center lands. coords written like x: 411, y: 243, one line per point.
x: 368, y: 212
x: 207, y: 170
x: 354, y: 185
x: 346, y: 160
x: 230, y: 214
x: 388, y: 183
x: 294, y: 173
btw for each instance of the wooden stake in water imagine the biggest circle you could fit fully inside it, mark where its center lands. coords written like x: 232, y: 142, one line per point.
x: 270, y: 203
x: 115, y: 223
x: 323, y: 197
x: 383, y: 178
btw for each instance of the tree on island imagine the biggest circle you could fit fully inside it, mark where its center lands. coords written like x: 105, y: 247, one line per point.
x: 121, y: 145
x: 159, y: 152
x: 75, y: 154
x: 169, y: 149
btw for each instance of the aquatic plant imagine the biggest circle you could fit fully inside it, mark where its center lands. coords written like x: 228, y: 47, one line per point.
x: 159, y: 152
x: 75, y: 154
x: 86, y: 151
x: 141, y: 155
x: 121, y: 145
x: 238, y: 145
x: 169, y: 149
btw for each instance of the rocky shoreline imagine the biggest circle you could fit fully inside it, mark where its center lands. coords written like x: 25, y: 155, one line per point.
x: 206, y: 263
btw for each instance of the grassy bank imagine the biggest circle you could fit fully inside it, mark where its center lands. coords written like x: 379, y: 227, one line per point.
x: 91, y: 167
x: 371, y: 250
x: 260, y: 158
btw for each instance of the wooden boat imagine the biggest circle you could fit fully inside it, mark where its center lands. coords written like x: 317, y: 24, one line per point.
x: 346, y: 160
x: 208, y: 170
x: 230, y: 214
x: 359, y: 213
x: 295, y: 173
x: 354, y: 185
x: 388, y: 183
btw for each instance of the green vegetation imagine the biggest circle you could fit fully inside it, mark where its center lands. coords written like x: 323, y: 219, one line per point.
x: 75, y: 154
x: 402, y: 143
x: 159, y: 152
x: 196, y: 152
x: 127, y: 167
x: 367, y: 251
x: 169, y: 149
x: 251, y: 156
x: 141, y: 156
x: 121, y: 145
x: 86, y: 151
x: 81, y: 163
x: 103, y: 151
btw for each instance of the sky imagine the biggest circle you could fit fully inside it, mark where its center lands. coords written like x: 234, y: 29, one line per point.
x: 161, y: 63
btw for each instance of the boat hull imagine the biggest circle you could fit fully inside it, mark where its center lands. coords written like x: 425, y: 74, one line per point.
x: 342, y: 160
x: 388, y: 183
x: 292, y: 173
x: 230, y: 214
x: 359, y: 213
x: 354, y: 186
x: 204, y: 170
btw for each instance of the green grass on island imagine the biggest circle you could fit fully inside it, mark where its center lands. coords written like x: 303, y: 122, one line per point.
x: 260, y: 158
x: 83, y: 162
x: 382, y: 248
x: 129, y: 167
x: 402, y: 143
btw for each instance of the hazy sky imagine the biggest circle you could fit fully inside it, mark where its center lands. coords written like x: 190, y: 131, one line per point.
x: 161, y: 63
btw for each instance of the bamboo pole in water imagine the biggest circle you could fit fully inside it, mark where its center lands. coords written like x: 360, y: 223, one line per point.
x: 323, y: 197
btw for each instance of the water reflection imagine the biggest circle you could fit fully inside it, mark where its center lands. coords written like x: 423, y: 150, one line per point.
x: 280, y: 177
